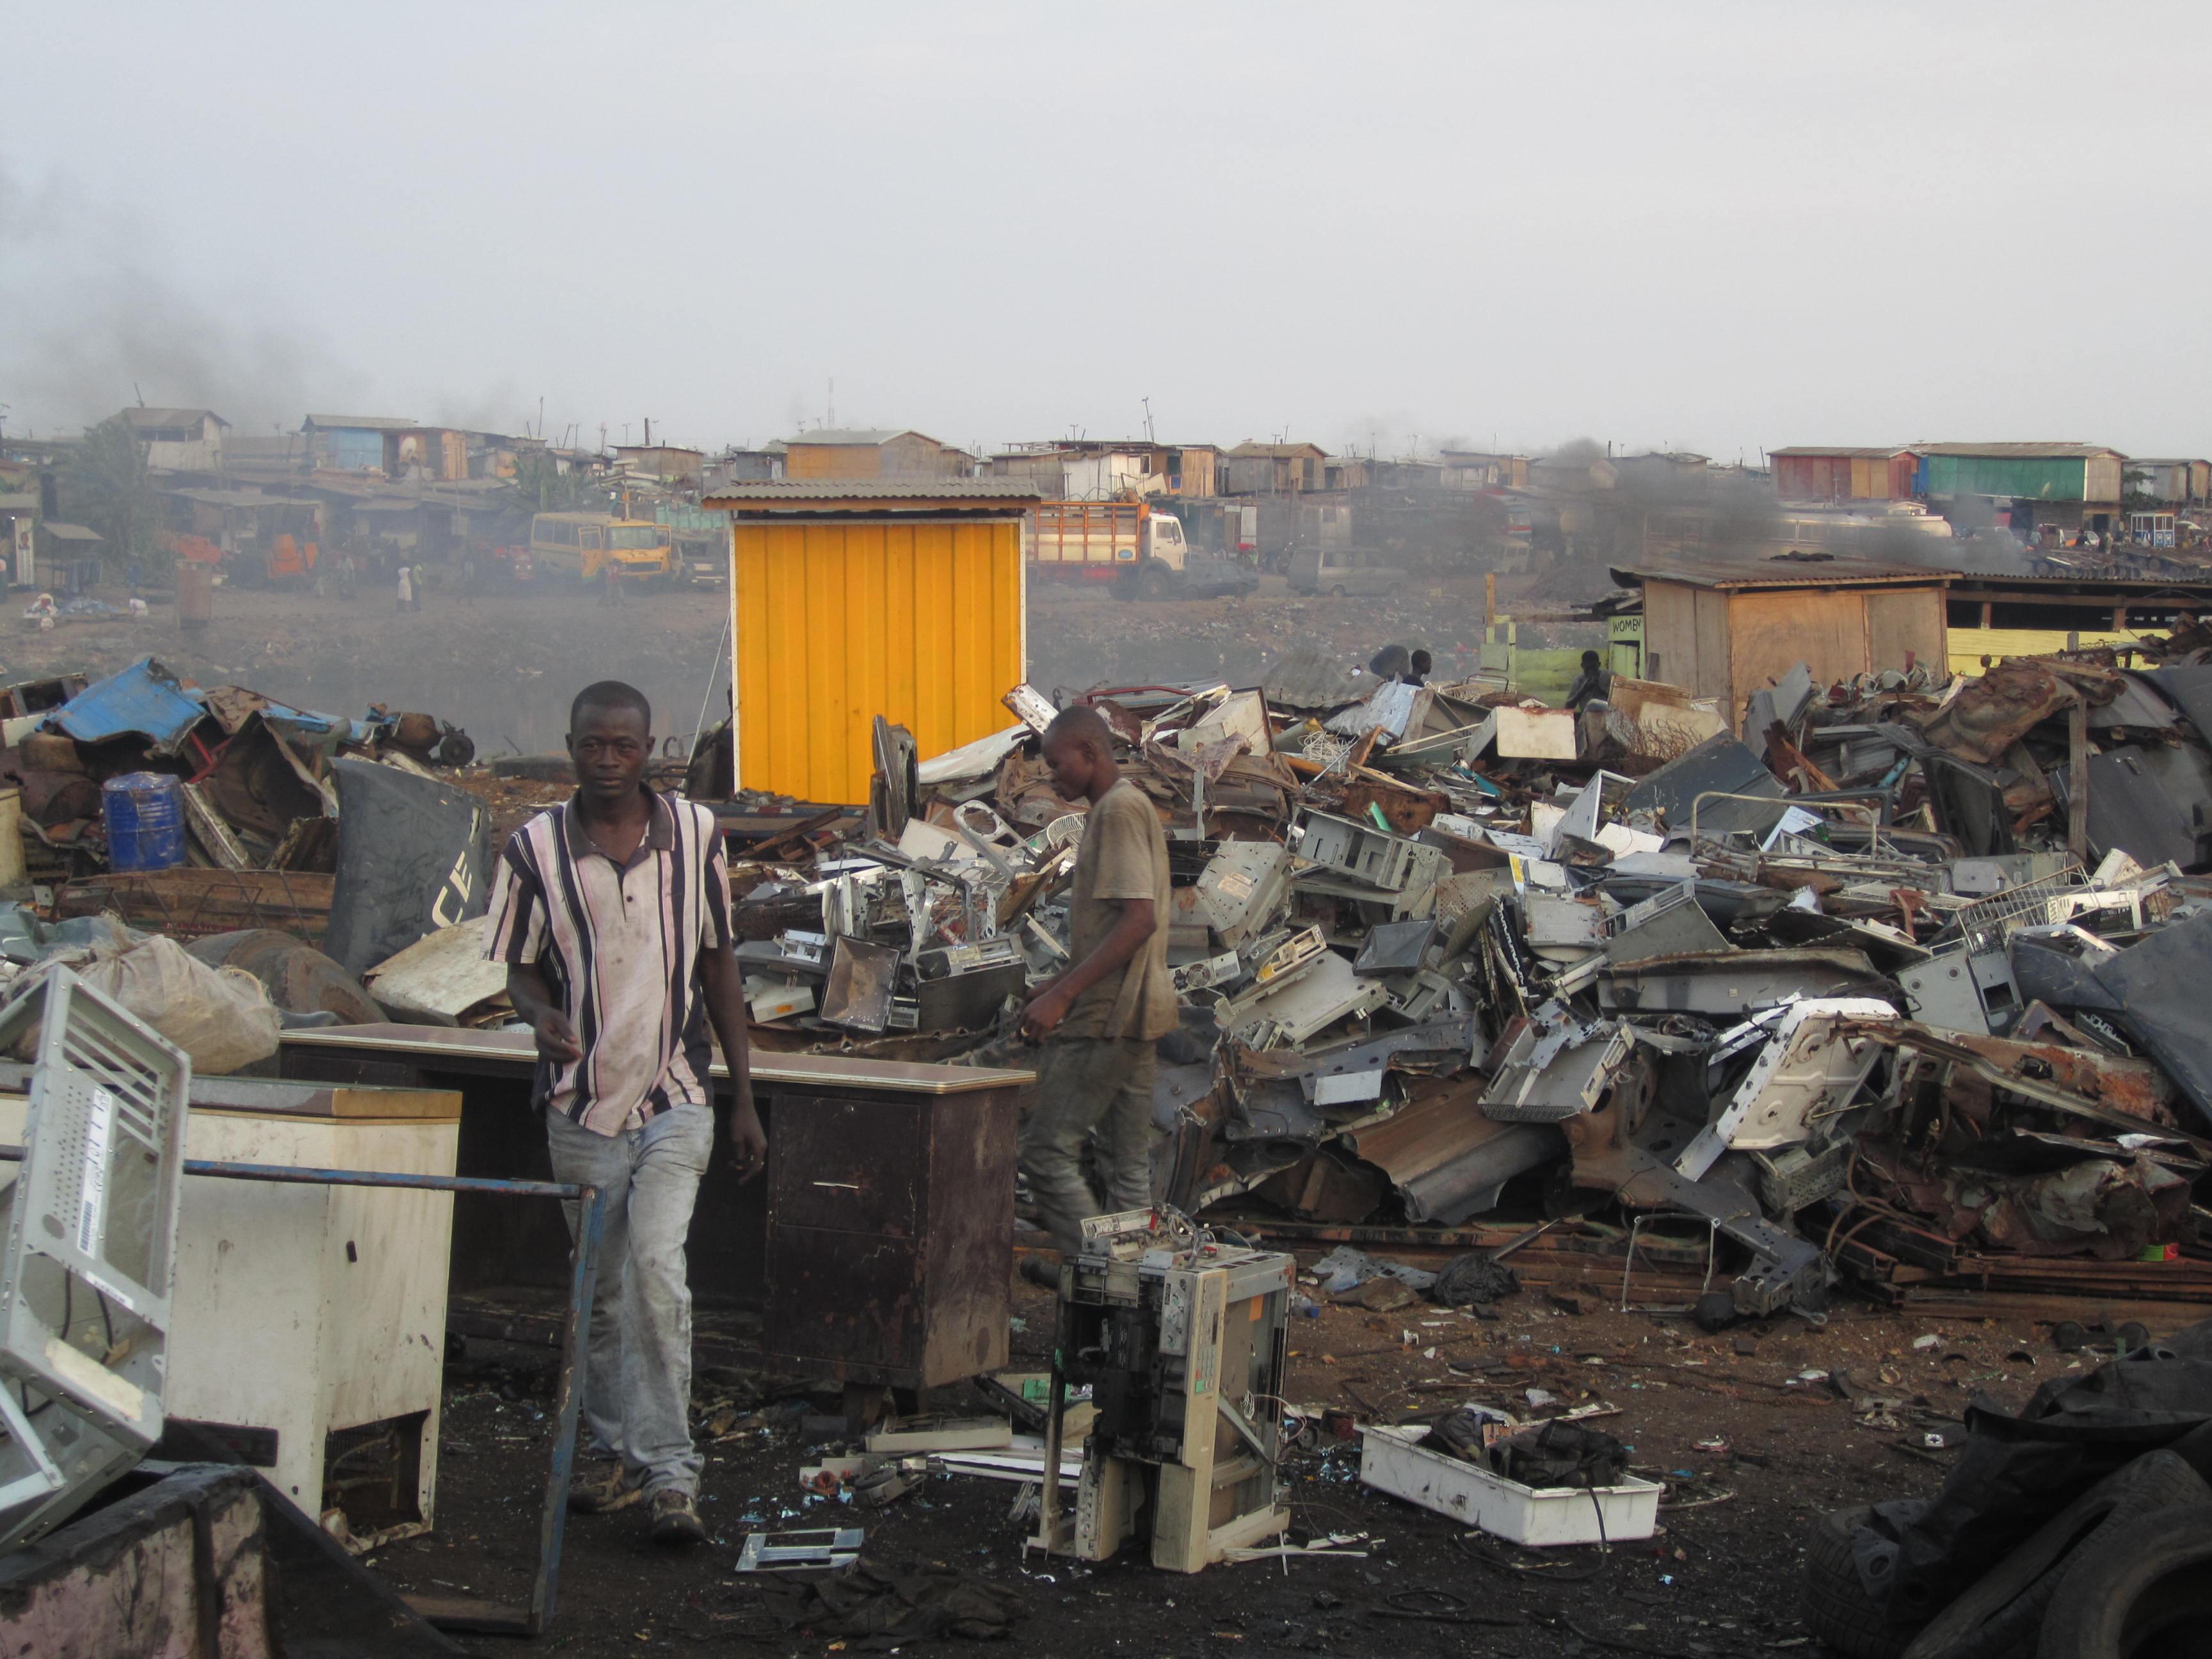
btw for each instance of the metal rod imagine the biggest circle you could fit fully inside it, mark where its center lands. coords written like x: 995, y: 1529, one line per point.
x: 568, y: 1399
x: 224, y: 1170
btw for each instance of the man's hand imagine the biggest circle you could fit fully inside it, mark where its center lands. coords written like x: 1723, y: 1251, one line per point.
x: 748, y: 1143
x: 557, y: 1039
x: 1046, y: 1010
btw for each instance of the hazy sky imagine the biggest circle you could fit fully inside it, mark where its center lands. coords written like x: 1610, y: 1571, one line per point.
x: 1718, y: 227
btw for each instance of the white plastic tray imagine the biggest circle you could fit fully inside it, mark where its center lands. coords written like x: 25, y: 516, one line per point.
x: 1390, y: 1461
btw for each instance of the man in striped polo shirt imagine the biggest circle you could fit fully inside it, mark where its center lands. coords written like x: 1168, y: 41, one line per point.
x: 613, y: 918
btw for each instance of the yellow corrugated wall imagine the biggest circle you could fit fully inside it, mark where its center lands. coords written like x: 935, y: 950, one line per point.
x: 1966, y: 646
x: 835, y: 623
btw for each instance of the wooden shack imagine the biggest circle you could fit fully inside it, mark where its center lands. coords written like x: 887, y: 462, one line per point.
x: 1725, y: 627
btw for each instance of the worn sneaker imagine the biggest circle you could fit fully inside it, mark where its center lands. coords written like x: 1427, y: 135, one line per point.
x: 676, y: 1519
x: 603, y: 1484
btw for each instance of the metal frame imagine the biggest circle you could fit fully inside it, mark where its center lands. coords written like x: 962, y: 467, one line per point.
x: 575, y: 1338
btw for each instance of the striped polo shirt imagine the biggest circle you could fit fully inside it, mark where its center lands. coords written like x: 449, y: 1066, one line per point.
x: 618, y: 945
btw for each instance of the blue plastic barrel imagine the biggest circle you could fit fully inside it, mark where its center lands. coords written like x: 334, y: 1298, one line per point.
x: 145, y: 815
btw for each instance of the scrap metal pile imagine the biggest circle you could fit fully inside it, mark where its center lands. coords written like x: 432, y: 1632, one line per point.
x: 1873, y: 990
x: 259, y: 789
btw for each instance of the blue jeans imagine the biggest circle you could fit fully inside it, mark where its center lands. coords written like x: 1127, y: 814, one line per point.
x: 637, y: 1388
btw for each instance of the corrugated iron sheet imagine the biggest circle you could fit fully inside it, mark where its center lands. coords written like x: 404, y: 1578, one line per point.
x: 835, y: 623
x: 144, y: 698
x: 874, y: 492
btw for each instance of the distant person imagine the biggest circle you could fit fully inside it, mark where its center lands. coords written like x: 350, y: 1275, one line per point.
x: 611, y: 584
x: 1422, y: 666
x: 1390, y: 663
x: 1592, y: 685
x: 466, y: 589
x: 407, y: 588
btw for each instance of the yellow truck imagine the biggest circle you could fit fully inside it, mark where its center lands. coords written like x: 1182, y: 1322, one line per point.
x: 582, y: 544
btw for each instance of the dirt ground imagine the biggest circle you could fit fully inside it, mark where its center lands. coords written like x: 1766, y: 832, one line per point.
x: 502, y: 666
x: 1752, y: 1449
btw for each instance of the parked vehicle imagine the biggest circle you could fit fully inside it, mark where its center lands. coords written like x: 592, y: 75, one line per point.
x: 1142, y: 552
x: 1343, y: 572
x: 582, y: 544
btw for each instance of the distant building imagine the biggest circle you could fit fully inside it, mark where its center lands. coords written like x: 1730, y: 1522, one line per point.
x: 762, y: 466
x: 2170, y: 482
x: 868, y: 452
x: 669, y: 463
x: 2065, y: 486
x: 1252, y: 469
x: 1099, y: 469
x: 1818, y: 472
x: 178, y: 440
x: 1475, y: 469
x: 354, y: 443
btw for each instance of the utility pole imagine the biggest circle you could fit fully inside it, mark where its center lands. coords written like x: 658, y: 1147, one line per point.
x: 1151, y: 437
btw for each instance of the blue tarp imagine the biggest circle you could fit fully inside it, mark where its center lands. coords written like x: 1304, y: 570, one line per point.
x: 144, y: 698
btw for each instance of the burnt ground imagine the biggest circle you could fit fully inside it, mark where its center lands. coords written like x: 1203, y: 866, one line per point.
x: 503, y: 667
x: 1721, y: 1579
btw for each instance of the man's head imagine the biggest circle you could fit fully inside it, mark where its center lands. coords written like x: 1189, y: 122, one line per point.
x: 1078, y: 747
x: 609, y: 740
x: 1590, y: 664
x: 1423, y: 662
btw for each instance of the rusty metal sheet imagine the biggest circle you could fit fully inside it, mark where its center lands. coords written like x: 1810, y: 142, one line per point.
x: 1991, y: 713
x: 2134, y: 1086
x: 1445, y: 1158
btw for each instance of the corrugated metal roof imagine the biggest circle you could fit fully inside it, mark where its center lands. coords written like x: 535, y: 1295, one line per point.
x: 1248, y: 450
x: 2071, y: 451
x: 1838, y: 570
x: 144, y: 698
x: 819, y: 493
x: 71, y: 532
x: 865, y: 436
x: 239, y: 498
x: 362, y: 423
x: 143, y: 418
x: 1864, y: 450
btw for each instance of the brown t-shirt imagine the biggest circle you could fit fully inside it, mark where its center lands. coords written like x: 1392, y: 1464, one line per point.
x: 1124, y: 855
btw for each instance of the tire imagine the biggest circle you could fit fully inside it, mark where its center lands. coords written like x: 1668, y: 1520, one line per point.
x: 1337, y: 591
x: 1837, y: 1610
x: 2000, y: 1614
x: 2140, y: 1589
x: 1153, y: 585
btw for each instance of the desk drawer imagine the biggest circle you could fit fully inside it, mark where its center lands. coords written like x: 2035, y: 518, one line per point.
x: 855, y: 1165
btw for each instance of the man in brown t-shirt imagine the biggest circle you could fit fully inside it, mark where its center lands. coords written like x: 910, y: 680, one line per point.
x: 1099, y: 1017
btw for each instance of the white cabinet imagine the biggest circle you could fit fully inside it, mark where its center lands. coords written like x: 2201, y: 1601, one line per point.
x: 315, y: 1315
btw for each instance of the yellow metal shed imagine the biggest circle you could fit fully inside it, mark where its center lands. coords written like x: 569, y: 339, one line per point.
x: 851, y: 599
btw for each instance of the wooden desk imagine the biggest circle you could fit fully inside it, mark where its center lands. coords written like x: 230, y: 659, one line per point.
x: 878, y: 1248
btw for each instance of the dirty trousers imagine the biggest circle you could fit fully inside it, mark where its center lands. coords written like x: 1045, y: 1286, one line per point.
x: 637, y: 1385
x: 1085, y: 1083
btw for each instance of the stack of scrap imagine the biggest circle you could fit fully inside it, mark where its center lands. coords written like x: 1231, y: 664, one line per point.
x: 258, y: 804
x: 1893, y: 985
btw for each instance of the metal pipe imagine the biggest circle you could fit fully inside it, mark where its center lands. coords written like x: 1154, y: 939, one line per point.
x: 299, y: 1176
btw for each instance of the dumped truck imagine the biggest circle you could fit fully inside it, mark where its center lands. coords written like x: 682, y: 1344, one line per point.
x: 1140, y: 551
